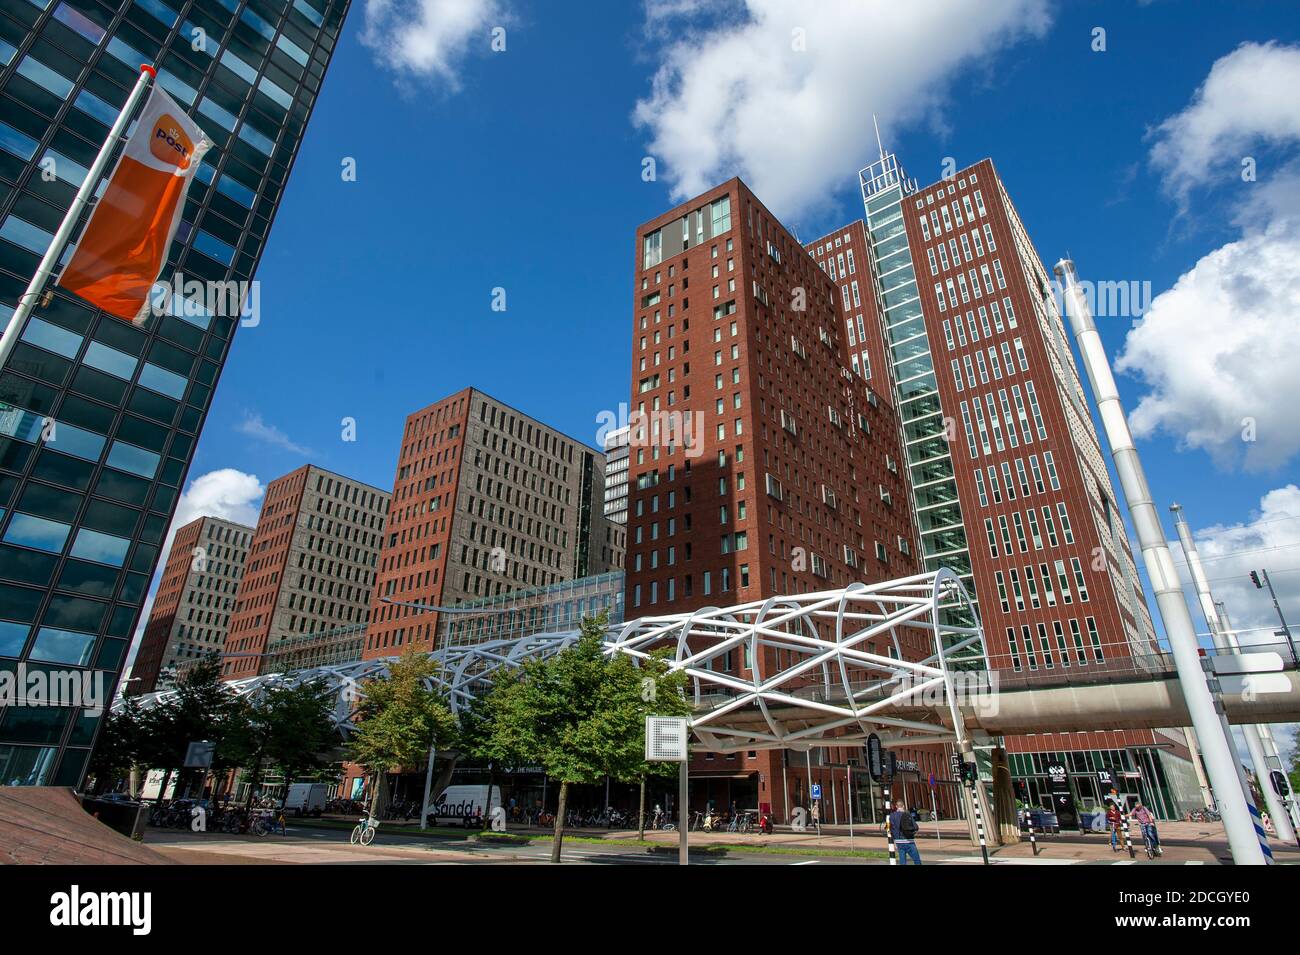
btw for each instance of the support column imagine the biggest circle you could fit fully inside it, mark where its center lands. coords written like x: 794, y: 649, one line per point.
x: 1004, y: 800
x: 1194, y: 749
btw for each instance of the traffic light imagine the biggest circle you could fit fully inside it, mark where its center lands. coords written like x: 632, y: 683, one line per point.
x: 970, y: 772
x: 1254, y: 579
x: 875, y: 758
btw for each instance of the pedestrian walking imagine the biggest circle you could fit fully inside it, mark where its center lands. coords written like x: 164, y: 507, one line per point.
x: 1114, y: 820
x: 903, y: 828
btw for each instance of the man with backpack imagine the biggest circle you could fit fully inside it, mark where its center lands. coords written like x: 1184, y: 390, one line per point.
x: 903, y: 828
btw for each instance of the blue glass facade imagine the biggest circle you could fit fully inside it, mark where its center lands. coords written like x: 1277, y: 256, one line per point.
x: 99, y: 417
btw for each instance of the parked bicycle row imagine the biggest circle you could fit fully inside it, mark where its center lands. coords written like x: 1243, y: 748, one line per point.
x: 201, y: 816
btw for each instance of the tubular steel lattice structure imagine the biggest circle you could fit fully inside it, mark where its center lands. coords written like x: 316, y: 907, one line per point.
x: 827, y: 668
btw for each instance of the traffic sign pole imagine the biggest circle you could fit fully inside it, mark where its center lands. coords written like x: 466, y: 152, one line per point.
x: 889, y: 828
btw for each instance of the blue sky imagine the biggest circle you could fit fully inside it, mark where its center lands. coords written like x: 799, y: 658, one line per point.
x: 522, y: 170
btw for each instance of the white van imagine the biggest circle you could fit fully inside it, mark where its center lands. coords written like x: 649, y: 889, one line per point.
x: 305, y: 799
x: 457, y: 803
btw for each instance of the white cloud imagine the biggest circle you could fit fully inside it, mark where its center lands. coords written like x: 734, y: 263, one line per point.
x: 1268, y: 539
x: 226, y: 493
x: 1216, y: 348
x: 428, y: 39
x: 253, y: 426
x: 732, y: 96
x: 1248, y: 98
x: 1217, y: 352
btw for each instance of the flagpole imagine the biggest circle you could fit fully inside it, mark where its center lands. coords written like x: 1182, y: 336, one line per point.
x: 36, y: 287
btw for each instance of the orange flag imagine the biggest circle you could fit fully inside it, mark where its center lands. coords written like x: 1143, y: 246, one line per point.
x: 124, y: 246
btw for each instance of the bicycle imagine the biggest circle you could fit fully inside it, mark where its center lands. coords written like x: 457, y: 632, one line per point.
x: 364, y: 831
x: 266, y: 821
x: 1149, y: 840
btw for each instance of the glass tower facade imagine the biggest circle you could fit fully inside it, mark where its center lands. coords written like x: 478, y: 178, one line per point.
x: 934, y: 490
x: 99, y: 417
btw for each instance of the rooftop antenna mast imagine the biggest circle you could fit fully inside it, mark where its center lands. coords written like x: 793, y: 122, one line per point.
x: 879, y: 143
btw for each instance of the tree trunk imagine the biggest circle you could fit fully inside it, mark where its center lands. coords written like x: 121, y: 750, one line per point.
x: 559, y: 821
x: 487, y: 806
x: 374, y: 797
x: 255, y: 776
x: 162, y: 790
x: 640, y: 814
x: 1004, y: 800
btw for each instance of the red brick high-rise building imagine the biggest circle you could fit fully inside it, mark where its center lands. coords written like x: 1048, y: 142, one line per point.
x: 195, y: 597
x: 760, y: 462
x: 486, y: 501
x: 1009, y: 485
x: 310, y: 567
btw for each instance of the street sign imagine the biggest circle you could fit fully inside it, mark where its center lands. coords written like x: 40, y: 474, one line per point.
x: 956, y: 767
x: 817, y: 790
x: 665, y: 739
x: 198, y: 755
x: 1238, y: 664
x: 1058, y: 784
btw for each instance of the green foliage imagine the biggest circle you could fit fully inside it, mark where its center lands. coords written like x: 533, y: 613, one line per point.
x: 118, y: 745
x: 289, y: 728
x: 581, y: 713
x: 202, y: 709
x: 400, y: 717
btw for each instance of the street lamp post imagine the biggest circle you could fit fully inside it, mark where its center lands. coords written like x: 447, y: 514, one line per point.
x: 1285, y: 632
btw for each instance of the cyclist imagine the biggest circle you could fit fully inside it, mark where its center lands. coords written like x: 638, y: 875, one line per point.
x: 1147, y: 821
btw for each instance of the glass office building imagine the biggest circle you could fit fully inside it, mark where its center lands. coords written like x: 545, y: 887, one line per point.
x: 555, y: 608
x: 99, y: 417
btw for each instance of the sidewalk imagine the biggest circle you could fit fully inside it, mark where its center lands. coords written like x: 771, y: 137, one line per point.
x: 1183, y: 842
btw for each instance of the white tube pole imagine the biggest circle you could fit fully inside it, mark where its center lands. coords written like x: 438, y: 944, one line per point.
x: 1243, y: 841
x: 428, y: 787
x: 36, y: 286
x: 1194, y: 748
x: 1271, y: 757
x: 1226, y: 641
x: 1274, y: 758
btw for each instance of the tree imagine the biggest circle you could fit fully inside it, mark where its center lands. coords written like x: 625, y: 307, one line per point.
x: 663, y: 693
x: 203, y: 708
x: 118, y: 745
x: 303, y: 734
x: 290, y: 728
x: 400, y: 719
x: 580, y: 714
x: 479, y: 741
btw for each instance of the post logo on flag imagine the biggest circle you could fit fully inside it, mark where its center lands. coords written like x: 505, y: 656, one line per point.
x: 124, y: 246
